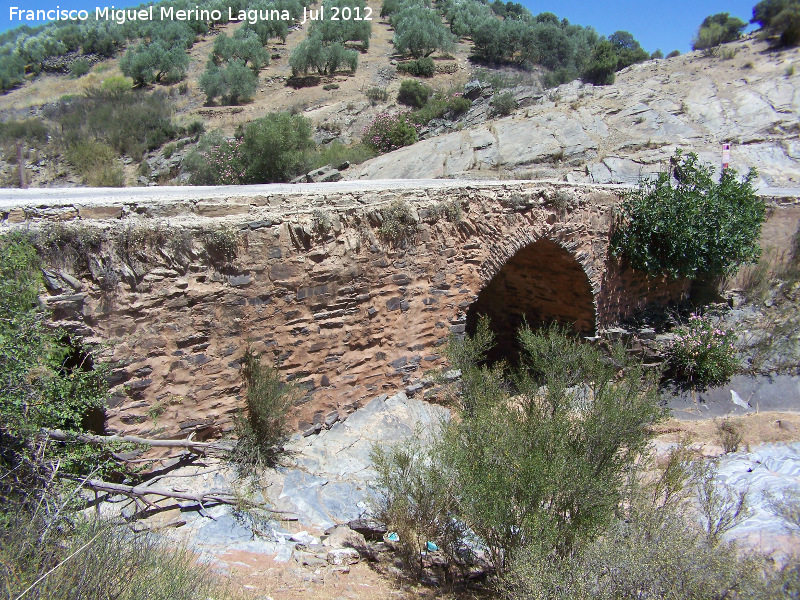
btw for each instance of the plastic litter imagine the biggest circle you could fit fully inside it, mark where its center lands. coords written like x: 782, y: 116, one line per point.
x: 392, y: 537
x: 431, y: 547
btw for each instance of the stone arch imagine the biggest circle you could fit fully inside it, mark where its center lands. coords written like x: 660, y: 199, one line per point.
x: 541, y: 282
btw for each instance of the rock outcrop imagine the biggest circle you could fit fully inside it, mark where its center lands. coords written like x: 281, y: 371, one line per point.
x: 615, y: 134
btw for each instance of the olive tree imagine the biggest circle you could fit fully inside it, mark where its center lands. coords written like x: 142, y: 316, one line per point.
x: 717, y: 29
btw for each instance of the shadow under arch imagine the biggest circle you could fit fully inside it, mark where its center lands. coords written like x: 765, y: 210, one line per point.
x: 541, y: 283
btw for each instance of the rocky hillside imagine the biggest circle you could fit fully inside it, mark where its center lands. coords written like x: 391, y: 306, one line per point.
x: 612, y: 134
x: 744, y: 93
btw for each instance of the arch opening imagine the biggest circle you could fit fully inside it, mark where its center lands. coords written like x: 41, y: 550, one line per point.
x: 541, y: 284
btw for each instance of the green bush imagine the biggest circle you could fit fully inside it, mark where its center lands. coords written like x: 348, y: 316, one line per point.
x: 694, y: 228
x: 86, y: 560
x: 779, y: 17
x: 96, y: 163
x: 274, y: 148
x: 397, y: 222
x: 337, y: 153
x: 128, y: 121
x: 263, y: 427
x: 702, y: 354
x: 376, y: 94
x: 80, y: 67
x: 546, y: 464
x: 602, y: 66
x: 117, y: 85
x: 423, y: 67
x: 627, y: 49
x: 216, y: 161
x: 222, y: 246
x: 389, y: 132
x: 649, y: 552
x: 413, y: 93
x: 503, y: 104
x: 674, y: 53
x: 441, y: 106
x: 48, y: 380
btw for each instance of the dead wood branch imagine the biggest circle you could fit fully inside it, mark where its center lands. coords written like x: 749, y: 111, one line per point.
x: 140, y: 491
x: 99, y: 440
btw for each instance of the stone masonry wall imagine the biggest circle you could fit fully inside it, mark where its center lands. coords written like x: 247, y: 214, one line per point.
x: 314, y: 286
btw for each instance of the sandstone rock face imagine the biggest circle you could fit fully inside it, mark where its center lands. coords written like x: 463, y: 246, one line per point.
x: 342, y: 310
x: 614, y: 134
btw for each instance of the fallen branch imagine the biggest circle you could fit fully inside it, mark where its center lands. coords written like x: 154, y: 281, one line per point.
x: 63, y: 436
x: 140, y: 491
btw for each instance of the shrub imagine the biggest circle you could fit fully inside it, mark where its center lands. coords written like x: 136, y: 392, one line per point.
x: 117, y: 85
x: 96, y: 163
x: 330, y: 86
x: 376, y: 94
x: 441, y: 106
x: 702, y: 354
x: 717, y: 29
x: 674, y: 53
x: 195, y: 128
x: 67, y: 246
x: 627, y: 49
x: 695, y: 228
x: 779, y: 17
x: 413, y: 93
x: 602, y: 66
x: 503, y: 104
x: 222, y: 246
x: 397, y: 222
x: 274, y: 148
x: 389, y: 132
x: 48, y: 380
x: 730, y: 434
x: 337, y: 153
x: 650, y: 552
x: 83, y: 560
x: 129, y: 121
x: 423, y: 67
x: 547, y: 466
x: 80, y: 67
x: 263, y: 427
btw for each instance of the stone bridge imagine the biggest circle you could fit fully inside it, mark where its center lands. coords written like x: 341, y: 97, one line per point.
x: 180, y: 285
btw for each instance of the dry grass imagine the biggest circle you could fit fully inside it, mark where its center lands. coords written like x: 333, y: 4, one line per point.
x: 757, y: 428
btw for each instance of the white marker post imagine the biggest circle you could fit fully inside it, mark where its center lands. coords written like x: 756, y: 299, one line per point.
x: 726, y: 156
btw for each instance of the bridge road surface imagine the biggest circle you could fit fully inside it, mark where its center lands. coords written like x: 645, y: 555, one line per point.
x: 18, y: 198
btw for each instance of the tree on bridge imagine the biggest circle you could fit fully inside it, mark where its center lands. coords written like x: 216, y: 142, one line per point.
x: 690, y: 226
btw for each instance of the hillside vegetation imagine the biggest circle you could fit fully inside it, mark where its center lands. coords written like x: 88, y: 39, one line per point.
x: 392, y: 74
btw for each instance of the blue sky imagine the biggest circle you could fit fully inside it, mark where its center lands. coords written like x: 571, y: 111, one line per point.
x: 666, y: 25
